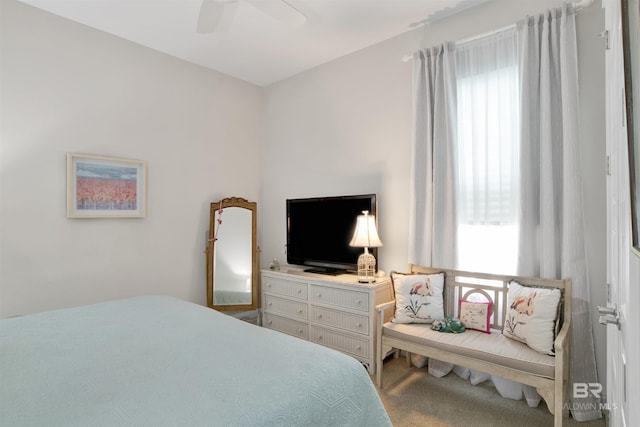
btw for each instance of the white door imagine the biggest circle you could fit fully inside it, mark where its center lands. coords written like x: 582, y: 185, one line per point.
x: 621, y: 316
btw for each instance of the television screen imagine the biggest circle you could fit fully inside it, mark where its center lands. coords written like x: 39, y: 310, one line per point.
x: 319, y: 231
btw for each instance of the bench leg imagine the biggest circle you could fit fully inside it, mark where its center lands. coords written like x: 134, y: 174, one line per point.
x: 557, y: 419
x: 554, y: 397
x: 549, y: 398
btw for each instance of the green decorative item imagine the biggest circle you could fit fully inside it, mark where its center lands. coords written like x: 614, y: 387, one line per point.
x: 449, y: 325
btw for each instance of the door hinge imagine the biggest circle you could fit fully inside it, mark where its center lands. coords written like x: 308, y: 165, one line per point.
x: 605, y: 36
x: 624, y: 108
x: 608, y: 165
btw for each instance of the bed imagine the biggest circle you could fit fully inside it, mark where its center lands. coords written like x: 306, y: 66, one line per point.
x: 161, y: 361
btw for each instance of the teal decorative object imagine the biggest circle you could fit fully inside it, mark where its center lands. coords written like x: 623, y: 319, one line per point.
x: 449, y: 325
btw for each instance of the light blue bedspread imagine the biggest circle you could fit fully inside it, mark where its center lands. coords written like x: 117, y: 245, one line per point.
x: 160, y: 361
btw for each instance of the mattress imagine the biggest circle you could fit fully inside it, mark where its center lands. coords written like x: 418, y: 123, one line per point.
x: 161, y: 361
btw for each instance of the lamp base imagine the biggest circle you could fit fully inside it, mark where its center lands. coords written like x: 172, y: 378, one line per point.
x: 366, y: 268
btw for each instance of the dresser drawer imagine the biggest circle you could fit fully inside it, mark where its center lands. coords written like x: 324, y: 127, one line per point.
x: 286, y: 307
x: 287, y: 326
x: 340, y: 297
x: 273, y: 285
x: 340, y: 319
x: 343, y: 342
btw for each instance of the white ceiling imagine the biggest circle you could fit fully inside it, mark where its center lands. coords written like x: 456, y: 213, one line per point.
x: 255, y: 47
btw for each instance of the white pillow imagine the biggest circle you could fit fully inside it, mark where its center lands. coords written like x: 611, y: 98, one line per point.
x: 532, y: 315
x: 418, y: 297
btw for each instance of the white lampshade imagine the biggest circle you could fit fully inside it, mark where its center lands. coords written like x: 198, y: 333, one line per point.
x: 366, y: 236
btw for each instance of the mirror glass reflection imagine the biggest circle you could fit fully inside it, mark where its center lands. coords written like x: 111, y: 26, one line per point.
x: 232, y: 258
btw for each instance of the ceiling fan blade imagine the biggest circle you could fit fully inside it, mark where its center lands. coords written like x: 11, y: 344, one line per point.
x: 215, y: 15
x: 280, y: 10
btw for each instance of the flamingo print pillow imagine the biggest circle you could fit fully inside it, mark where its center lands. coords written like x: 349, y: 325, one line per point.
x: 418, y: 297
x: 531, y: 316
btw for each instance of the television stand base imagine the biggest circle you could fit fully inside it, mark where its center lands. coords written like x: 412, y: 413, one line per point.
x: 327, y: 271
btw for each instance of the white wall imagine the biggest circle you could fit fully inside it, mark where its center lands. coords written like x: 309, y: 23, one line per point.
x: 345, y: 128
x: 67, y: 88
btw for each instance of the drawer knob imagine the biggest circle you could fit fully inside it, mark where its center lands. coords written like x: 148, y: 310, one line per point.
x: 319, y: 295
x: 269, y: 322
x: 358, y: 302
x: 319, y: 316
x: 300, y: 331
x: 270, y: 304
x: 268, y: 285
x: 299, y: 291
x: 299, y: 310
x: 359, y: 325
x: 319, y: 337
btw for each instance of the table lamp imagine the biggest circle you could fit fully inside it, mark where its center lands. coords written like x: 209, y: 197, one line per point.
x: 366, y: 236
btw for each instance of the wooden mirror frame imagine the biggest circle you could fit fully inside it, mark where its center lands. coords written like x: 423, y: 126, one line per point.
x: 236, y: 202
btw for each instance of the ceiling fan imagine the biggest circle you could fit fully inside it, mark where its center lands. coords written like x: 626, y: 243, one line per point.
x: 217, y: 14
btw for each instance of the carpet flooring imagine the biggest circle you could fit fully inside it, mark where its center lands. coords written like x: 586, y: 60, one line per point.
x: 412, y: 397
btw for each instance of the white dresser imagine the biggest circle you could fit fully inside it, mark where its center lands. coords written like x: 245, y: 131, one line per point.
x: 335, y: 311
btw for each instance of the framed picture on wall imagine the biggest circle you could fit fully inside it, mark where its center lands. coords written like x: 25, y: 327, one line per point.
x: 105, y: 187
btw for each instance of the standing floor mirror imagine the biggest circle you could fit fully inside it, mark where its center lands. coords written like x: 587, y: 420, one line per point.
x: 232, y: 256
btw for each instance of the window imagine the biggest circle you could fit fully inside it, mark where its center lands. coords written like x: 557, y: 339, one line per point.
x: 487, y: 153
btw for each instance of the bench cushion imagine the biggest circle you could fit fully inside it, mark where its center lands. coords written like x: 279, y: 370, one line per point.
x: 494, y: 347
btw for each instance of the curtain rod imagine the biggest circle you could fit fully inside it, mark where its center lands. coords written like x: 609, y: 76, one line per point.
x: 578, y: 6
x: 409, y: 57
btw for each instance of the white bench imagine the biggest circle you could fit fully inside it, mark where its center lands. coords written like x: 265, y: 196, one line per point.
x: 493, y: 353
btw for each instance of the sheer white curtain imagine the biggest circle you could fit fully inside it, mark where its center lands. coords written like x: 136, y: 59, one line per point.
x: 487, y: 162
x: 464, y: 193
x: 551, y: 242
x: 432, y: 224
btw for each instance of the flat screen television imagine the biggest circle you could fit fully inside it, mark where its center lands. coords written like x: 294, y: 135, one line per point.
x: 319, y: 230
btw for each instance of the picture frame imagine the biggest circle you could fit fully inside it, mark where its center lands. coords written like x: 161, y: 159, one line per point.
x: 631, y: 52
x: 105, y: 187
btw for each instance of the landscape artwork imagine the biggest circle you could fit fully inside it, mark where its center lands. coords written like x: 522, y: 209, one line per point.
x: 105, y: 187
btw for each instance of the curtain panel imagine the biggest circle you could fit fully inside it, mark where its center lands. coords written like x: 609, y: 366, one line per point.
x: 488, y: 125
x: 432, y: 210
x: 551, y: 238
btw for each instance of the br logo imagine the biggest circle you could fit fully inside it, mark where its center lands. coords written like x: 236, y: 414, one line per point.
x: 583, y: 390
